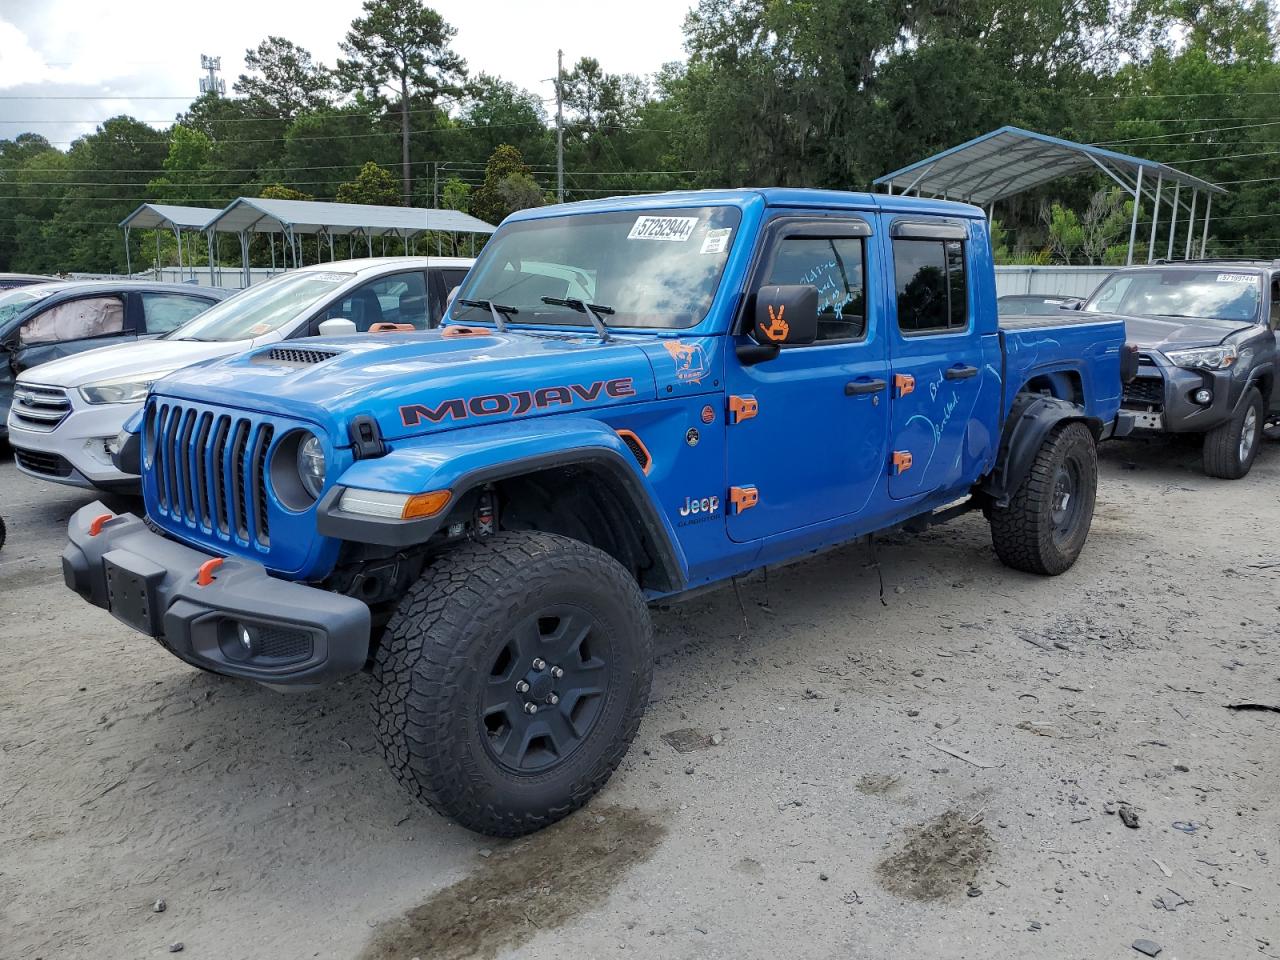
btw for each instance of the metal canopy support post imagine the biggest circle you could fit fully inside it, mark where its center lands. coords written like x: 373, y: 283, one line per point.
x: 1133, y: 224
x: 1155, y: 217
x: 1191, y: 224
x: 1173, y: 219
x: 209, y: 237
x: 1204, y: 234
x: 369, y: 237
x: 177, y: 235
x: 156, y: 234
x: 244, y: 256
x: 128, y: 261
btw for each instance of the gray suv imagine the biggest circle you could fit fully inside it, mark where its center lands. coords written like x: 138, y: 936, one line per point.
x: 1208, y: 334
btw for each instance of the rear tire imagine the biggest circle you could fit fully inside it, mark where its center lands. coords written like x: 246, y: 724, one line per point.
x: 1230, y: 448
x: 1045, y: 525
x: 559, y: 617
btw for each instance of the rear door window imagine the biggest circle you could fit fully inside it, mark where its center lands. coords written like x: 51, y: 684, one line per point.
x: 164, y: 312
x: 79, y: 319
x: 932, y: 291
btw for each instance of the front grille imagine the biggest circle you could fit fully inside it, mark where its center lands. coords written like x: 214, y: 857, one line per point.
x: 45, y: 464
x: 299, y: 356
x: 1145, y: 391
x: 210, y: 470
x: 39, y: 408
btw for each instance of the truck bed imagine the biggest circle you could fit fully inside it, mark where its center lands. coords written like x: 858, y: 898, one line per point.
x: 1076, y: 356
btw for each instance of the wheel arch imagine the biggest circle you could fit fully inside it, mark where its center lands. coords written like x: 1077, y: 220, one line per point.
x: 542, y: 473
x: 1031, y: 419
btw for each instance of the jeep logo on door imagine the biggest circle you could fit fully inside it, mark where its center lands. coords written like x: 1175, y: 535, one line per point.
x: 517, y: 403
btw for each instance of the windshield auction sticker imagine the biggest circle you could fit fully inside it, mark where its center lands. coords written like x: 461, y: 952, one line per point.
x: 1236, y: 278
x: 716, y: 241
x: 663, y: 228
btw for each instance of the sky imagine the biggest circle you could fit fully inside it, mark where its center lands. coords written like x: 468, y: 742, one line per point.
x: 143, y: 57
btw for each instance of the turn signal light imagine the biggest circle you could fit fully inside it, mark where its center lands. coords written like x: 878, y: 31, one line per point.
x: 425, y: 504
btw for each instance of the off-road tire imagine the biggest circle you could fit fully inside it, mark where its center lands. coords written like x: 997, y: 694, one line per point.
x: 1222, y: 444
x: 1025, y: 534
x: 436, y: 657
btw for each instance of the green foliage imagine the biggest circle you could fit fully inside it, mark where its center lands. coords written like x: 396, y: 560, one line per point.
x: 507, y: 187
x: 456, y: 195
x: 283, y: 79
x: 278, y: 191
x: 373, y: 185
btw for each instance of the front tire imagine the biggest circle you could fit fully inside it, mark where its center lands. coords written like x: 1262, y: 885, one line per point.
x: 1230, y: 448
x: 1045, y: 525
x: 493, y: 628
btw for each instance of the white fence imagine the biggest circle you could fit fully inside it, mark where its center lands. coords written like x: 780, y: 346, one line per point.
x: 1050, y: 280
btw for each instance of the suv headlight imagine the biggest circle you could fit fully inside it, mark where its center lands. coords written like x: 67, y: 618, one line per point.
x: 125, y: 390
x: 311, y: 465
x: 1204, y: 358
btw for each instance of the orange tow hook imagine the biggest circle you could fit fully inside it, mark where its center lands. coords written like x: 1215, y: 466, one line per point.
x: 98, y: 522
x: 204, y: 576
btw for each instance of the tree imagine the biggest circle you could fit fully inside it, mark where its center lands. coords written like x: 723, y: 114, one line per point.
x: 372, y: 185
x: 284, y: 79
x: 508, y: 186
x: 278, y: 191
x: 184, y: 168
x: 401, y: 48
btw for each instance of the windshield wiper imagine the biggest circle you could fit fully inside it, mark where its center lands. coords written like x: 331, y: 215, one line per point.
x: 592, y: 310
x: 498, y: 311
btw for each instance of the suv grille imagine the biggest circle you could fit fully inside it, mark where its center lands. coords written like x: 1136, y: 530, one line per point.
x: 210, y: 470
x: 39, y: 408
x: 1145, y: 392
x: 300, y: 356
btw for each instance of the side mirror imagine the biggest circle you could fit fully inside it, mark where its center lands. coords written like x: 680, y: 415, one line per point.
x: 336, y: 327
x: 786, y: 314
x: 448, y: 300
x: 1072, y: 303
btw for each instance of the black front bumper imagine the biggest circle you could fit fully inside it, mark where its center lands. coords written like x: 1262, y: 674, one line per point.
x: 1165, y: 392
x: 298, y: 635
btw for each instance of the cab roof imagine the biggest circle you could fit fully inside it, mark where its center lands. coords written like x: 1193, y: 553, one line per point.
x: 798, y: 197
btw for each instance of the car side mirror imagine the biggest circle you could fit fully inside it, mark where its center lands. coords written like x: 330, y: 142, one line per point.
x: 1072, y: 303
x: 786, y: 315
x: 452, y: 295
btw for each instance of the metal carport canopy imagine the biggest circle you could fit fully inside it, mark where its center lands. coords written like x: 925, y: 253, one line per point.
x: 259, y: 215
x: 1010, y: 160
x: 168, y: 216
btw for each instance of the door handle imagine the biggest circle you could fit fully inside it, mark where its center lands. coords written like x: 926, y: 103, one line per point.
x: 856, y: 388
x: 960, y: 373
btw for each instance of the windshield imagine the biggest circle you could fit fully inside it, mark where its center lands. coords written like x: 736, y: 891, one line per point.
x: 1214, y: 294
x: 13, y: 302
x: 262, y: 308
x: 656, y: 268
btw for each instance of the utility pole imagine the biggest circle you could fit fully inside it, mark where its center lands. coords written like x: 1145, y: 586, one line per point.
x: 210, y: 83
x: 560, y: 126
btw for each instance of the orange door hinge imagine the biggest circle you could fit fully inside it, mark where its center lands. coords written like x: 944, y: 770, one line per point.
x: 903, y: 383
x: 742, y: 408
x: 743, y: 498
x: 901, y: 461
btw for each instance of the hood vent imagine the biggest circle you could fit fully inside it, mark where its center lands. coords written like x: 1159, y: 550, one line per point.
x: 297, y: 356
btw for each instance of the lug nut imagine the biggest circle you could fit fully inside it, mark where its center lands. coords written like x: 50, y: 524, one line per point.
x: 522, y: 686
x: 553, y: 699
x: 539, y: 663
x: 557, y: 672
x: 530, y: 708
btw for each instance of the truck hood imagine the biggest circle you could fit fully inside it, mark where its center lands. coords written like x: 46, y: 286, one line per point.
x: 144, y: 358
x: 417, y: 383
x: 1178, y: 333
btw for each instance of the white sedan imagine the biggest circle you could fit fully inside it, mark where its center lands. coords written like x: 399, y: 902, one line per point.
x: 67, y: 414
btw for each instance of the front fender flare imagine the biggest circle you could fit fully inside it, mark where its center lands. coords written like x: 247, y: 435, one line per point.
x: 1030, y: 420
x: 461, y: 460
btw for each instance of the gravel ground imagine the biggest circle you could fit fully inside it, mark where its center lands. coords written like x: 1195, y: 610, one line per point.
x: 820, y: 774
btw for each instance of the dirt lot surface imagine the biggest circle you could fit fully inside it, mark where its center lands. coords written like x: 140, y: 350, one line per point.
x: 941, y: 776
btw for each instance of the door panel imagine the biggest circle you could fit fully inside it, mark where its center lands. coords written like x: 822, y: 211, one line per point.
x: 937, y: 362
x: 814, y: 445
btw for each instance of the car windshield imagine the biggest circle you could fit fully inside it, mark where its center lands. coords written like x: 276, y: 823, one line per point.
x: 13, y: 302
x: 652, y: 268
x: 262, y: 308
x: 1210, y: 294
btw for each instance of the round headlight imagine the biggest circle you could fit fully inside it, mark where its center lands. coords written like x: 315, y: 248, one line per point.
x: 311, y: 466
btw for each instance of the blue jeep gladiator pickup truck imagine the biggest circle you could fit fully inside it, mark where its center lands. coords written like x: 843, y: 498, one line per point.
x: 628, y: 400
